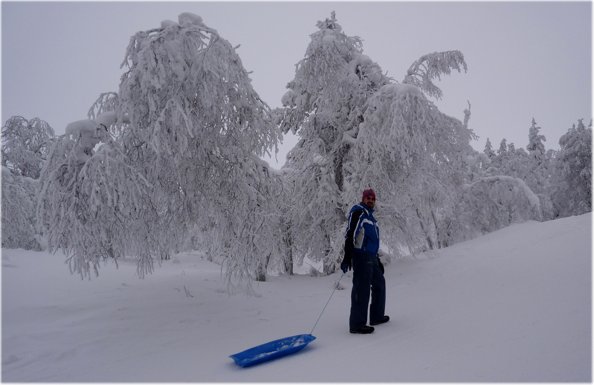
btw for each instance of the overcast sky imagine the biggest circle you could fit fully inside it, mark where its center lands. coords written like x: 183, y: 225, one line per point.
x: 525, y: 60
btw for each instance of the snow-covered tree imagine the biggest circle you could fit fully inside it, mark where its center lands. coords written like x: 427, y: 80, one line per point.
x: 106, y: 104
x: 502, y: 147
x: 358, y: 129
x: 499, y: 163
x: 572, y: 190
x: 324, y: 105
x: 492, y: 203
x: 93, y: 204
x: 191, y: 131
x: 414, y: 157
x: 19, y: 195
x: 533, y: 166
x: 196, y: 128
x: 536, y: 147
x: 486, y: 160
x: 489, y: 149
x: 25, y: 145
x: 537, y: 169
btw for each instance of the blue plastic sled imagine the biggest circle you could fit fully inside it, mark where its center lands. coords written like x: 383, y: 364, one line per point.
x: 272, y: 350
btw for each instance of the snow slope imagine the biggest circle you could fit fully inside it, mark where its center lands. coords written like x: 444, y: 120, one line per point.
x: 514, y: 305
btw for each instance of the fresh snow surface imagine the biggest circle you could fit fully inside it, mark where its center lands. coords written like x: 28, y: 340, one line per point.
x: 514, y: 305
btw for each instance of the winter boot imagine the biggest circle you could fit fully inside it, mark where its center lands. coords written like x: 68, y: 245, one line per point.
x: 382, y: 320
x: 363, y: 330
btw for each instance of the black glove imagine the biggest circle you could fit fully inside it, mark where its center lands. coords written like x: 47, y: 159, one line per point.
x: 346, y: 264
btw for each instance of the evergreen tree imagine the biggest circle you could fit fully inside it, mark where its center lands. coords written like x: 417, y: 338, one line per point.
x: 489, y: 149
x: 502, y: 147
x: 536, y: 147
x: 499, y: 162
x: 537, y: 172
x: 572, y: 190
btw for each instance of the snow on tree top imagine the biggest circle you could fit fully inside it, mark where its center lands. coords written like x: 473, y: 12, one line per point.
x: 85, y: 132
x: 288, y: 98
x: 81, y: 128
x: 186, y: 18
x: 329, y: 38
x: 88, y: 128
x: 168, y: 23
x: 107, y: 118
x: 331, y: 23
x: 401, y: 90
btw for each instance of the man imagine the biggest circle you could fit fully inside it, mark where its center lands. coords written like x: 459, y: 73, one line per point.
x: 361, y: 254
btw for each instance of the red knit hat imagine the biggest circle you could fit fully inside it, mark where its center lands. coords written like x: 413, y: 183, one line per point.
x: 368, y: 193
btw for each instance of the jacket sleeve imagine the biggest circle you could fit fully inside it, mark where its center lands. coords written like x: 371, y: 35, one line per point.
x: 349, y: 243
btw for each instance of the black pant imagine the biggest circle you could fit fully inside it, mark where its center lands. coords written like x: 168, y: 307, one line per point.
x: 367, y: 279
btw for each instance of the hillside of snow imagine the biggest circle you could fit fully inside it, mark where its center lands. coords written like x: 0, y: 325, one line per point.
x: 514, y: 305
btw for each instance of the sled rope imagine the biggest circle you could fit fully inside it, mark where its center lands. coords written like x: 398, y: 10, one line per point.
x: 331, y: 294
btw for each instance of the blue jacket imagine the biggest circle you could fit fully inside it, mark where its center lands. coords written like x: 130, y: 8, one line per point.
x: 362, y: 234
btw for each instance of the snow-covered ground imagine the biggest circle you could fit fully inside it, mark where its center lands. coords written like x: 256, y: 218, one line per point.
x: 514, y: 305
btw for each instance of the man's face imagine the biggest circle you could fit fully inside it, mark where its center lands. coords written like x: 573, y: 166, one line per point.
x: 369, y: 201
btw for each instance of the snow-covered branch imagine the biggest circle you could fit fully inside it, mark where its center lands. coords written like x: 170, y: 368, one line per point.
x: 431, y: 66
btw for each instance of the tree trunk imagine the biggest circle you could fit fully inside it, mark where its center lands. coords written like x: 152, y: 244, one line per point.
x: 288, y: 241
x: 427, y: 236
x: 338, y: 166
x: 261, y: 270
